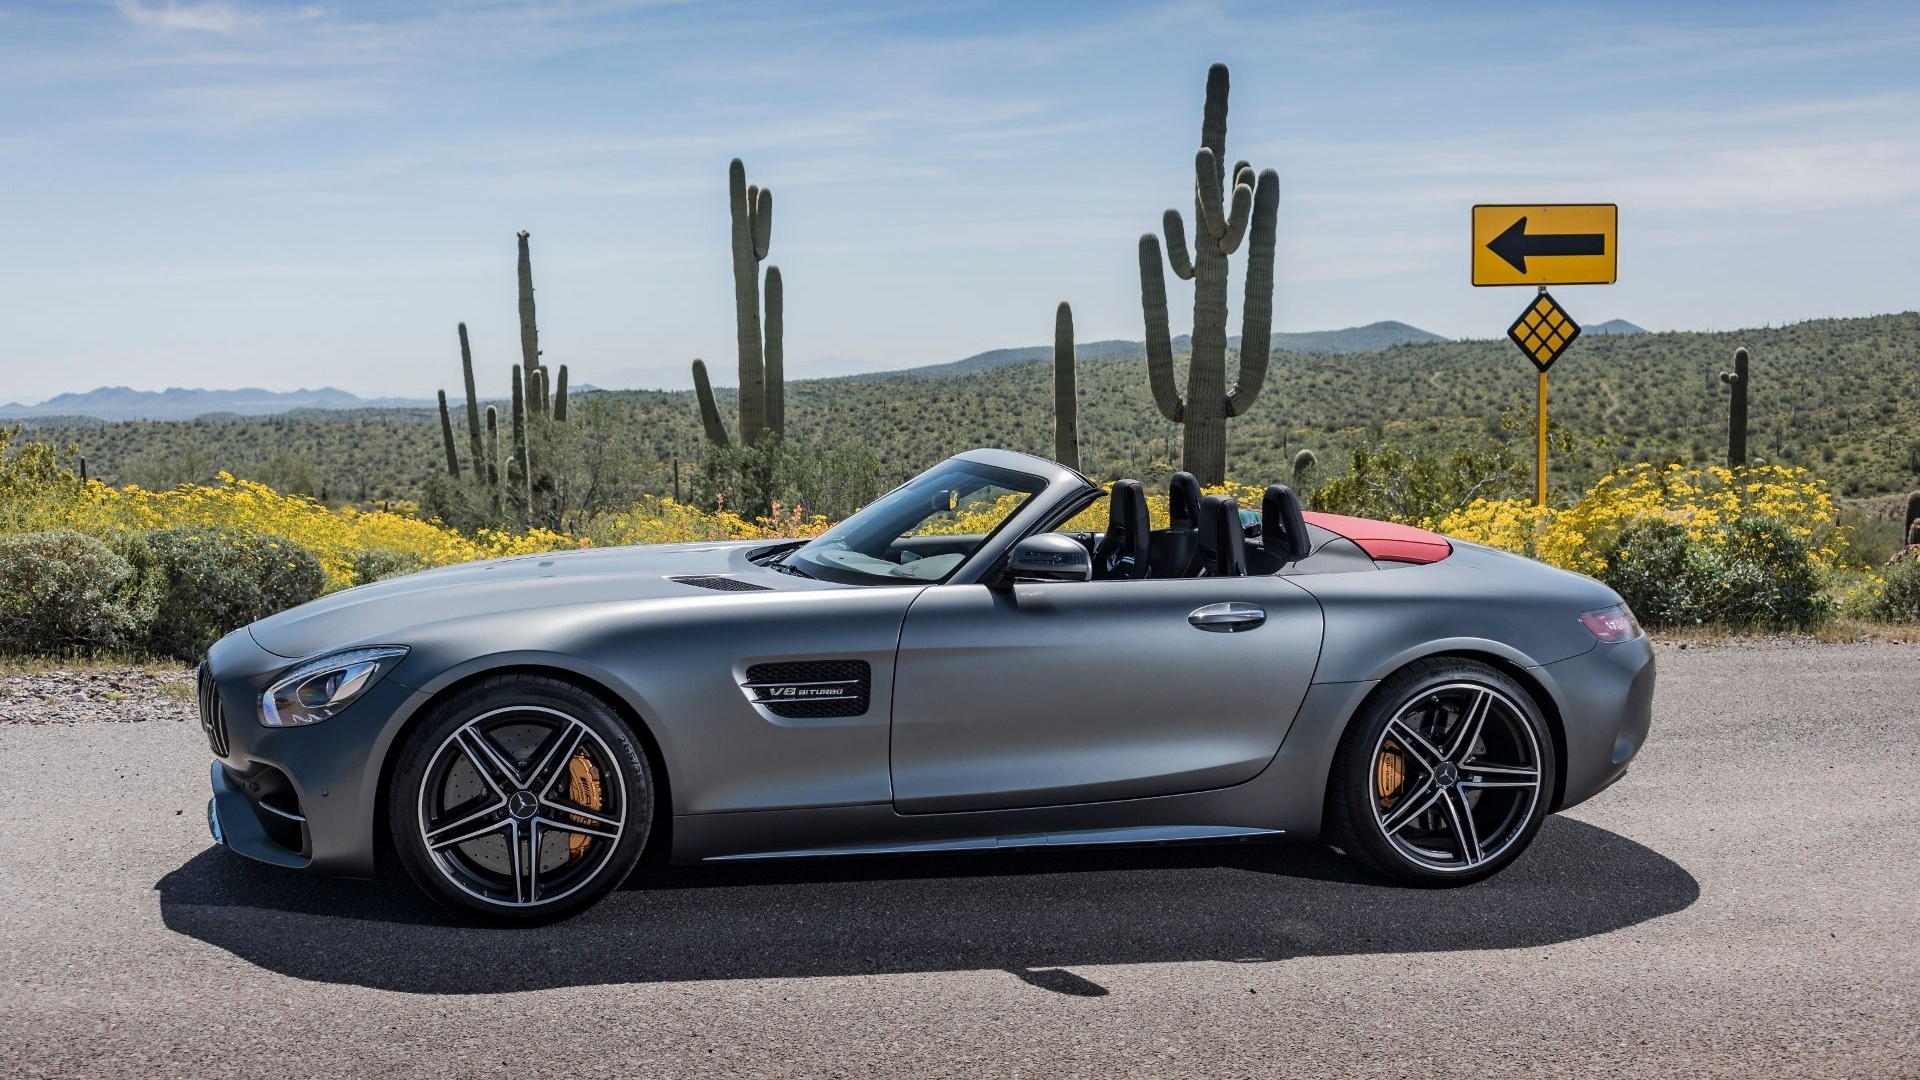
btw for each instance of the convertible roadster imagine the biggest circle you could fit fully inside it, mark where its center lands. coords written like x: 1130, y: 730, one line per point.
x: 951, y: 668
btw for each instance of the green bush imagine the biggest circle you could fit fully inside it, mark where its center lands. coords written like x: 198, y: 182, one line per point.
x: 374, y: 564
x: 209, y: 581
x: 63, y: 590
x: 1753, y: 573
x: 1898, y: 598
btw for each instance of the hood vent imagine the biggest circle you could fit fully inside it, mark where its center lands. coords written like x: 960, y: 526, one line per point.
x: 720, y: 584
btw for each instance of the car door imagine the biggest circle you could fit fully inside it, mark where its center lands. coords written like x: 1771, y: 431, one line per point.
x: 1053, y: 693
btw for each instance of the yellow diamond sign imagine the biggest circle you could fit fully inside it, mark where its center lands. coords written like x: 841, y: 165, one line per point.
x: 1543, y: 331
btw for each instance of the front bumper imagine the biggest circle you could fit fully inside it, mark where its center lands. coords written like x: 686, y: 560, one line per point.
x: 305, y: 797
x: 1605, y: 699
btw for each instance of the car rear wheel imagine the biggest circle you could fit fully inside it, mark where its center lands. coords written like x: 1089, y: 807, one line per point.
x: 1444, y: 777
x: 521, y: 800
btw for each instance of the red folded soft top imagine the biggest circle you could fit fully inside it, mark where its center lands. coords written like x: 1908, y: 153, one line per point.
x: 1384, y: 539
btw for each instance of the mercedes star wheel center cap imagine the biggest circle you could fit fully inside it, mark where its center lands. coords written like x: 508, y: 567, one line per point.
x: 522, y: 805
x: 1446, y: 775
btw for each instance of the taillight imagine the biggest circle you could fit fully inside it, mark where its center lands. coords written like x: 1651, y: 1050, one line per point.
x: 1614, y: 624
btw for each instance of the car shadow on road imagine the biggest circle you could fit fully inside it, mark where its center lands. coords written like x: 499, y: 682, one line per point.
x: 1030, y: 913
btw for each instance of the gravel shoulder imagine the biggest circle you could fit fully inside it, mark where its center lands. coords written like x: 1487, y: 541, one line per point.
x: 1742, y: 904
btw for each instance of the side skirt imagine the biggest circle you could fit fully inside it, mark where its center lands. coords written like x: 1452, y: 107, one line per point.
x: 1152, y: 834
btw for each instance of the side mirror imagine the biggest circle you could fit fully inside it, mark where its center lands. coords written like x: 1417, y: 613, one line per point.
x: 944, y: 501
x: 1048, y: 557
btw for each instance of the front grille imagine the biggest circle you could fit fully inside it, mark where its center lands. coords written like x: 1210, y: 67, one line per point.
x: 723, y: 584
x: 811, y: 689
x: 213, y: 716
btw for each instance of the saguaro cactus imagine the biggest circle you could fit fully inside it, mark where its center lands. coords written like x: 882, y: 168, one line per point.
x: 1738, y: 379
x: 1303, y: 463
x: 473, y: 407
x: 446, y: 436
x: 519, y: 467
x: 1910, y: 529
x: 493, y: 448
x: 1066, y: 399
x: 529, y: 329
x: 763, y: 394
x: 560, y: 397
x: 1224, y: 215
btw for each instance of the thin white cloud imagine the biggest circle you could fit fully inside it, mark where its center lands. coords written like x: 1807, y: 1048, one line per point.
x: 211, y: 17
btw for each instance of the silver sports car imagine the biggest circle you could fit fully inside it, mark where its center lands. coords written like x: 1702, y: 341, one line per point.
x: 952, y: 668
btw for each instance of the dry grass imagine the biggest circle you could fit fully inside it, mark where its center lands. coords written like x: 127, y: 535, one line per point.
x: 1837, y: 632
x: 89, y: 661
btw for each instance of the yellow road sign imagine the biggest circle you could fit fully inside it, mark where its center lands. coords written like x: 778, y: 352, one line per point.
x: 1546, y: 245
x: 1543, y: 331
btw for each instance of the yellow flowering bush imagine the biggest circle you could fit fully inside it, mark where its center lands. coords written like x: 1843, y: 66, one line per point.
x: 1701, y: 501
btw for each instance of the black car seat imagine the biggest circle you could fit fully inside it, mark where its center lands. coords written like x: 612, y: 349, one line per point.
x: 1173, y: 548
x: 1283, y: 532
x: 1122, y: 554
x: 1223, y: 546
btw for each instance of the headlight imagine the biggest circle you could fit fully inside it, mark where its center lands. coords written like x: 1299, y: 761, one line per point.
x: 323, y: 686
x: 1612, y: 625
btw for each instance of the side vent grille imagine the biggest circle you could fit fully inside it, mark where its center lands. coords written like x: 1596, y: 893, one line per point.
x: 213, y: 717
x: 721, y: 584
x: 811, y: 689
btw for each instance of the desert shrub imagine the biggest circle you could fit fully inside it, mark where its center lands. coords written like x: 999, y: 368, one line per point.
x: 1422, y: 488
x: 1704, y: 502
x: 1892, y: 595
x: 374, y: 564
x: 1752, y: 572
x: 62, y: 590
x: 211, y: 581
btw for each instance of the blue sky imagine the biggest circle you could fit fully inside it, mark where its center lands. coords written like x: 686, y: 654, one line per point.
x: 248, y: 193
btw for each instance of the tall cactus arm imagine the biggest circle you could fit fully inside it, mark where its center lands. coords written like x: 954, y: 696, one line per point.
x: 1066, y: 398
x: 473, y: 405
x: 446, y: 436
x: 560, y: 396
x: 746, y: 303
x: 1176, y: 231
x: 1153, y: 301
x: 1213, y: 122
x: 1206, y: 188
x: 762, y: 222
x: 1237, y: 219
x: 517, y: 453
x: 1243, y: 174
x: 709, y: 409
x: 529, y: 328
x: 1256, y: 319
x: 776, y: 353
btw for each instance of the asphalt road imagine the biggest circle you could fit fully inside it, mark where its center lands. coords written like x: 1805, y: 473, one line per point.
x: 1745, y: 903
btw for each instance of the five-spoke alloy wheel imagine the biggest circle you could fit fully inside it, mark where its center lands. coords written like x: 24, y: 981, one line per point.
x: 522, y: 799
x: 1444, y: 776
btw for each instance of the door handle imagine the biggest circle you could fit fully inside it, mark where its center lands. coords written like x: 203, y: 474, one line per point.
x: 1227, y: 618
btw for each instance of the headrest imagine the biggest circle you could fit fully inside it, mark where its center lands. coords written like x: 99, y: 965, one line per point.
x: 1183, y: 501
x: 1283, y: 532
x: 1223, y: 546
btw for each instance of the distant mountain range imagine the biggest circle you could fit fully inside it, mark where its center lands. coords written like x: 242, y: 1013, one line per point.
x: 174, y: 403
x: 121, y: 403
x: 1612, y: 326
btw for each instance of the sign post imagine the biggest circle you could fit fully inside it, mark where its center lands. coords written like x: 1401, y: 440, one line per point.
x: 1542, y: 245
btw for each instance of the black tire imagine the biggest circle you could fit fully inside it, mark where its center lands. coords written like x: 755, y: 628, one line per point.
x: 1412, y: 804
x: 516, y: 777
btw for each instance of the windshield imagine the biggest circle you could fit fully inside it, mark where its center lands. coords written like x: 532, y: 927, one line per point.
x: 921, y: 531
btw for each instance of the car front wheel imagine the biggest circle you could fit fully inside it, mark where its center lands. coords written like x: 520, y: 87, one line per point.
x: 521, y: 800
x: 1444, y: 776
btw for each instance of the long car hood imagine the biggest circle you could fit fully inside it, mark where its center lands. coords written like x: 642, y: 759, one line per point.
x: 524, y: 582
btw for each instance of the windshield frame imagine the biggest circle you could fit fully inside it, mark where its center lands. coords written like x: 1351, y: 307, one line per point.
x: 1055, y: 483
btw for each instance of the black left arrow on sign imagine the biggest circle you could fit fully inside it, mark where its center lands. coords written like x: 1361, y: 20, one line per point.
x: 1516, y: 245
